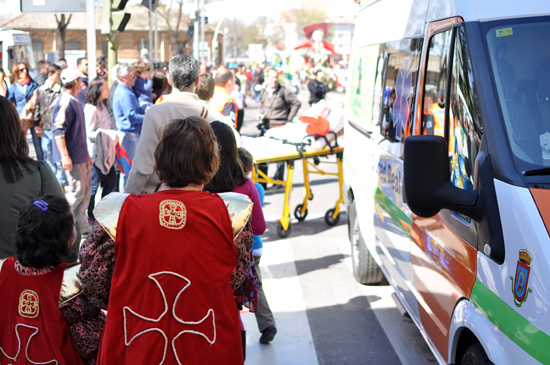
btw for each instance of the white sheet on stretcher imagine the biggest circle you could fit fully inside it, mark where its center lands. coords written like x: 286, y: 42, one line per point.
x: 273, y: 143
x: 267, y: 148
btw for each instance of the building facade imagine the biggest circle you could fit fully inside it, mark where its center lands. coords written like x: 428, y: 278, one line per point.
x: 133, y: 43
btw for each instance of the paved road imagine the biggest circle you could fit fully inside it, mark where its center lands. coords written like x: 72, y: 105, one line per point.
x: 323, y: 315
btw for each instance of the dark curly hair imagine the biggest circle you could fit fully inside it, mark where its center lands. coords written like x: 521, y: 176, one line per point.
x: 45, y: 228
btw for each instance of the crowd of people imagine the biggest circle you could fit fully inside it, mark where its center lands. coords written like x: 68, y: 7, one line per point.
x: 172, y: 250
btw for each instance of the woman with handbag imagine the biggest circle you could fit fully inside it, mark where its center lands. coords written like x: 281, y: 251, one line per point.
x: 99, y: 137
x: 21, y: 91
x: 22, y: 179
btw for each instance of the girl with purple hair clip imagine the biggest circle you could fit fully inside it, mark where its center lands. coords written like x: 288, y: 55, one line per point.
x: 39, y: 288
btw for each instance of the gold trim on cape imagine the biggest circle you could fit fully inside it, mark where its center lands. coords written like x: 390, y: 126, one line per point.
x: 71, y: 285
x: 108, y: 210
x: 239, y: 207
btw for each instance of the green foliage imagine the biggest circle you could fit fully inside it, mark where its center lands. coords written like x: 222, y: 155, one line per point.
x: 255, y: 32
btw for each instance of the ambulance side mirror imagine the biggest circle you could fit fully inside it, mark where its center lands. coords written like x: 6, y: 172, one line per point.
x: 427, y: 179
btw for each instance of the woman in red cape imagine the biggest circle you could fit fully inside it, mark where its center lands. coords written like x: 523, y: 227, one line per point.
x: 164, y: 265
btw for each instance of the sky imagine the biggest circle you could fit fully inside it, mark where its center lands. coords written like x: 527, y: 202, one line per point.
x: 250, y: 10
x: 245, y: 10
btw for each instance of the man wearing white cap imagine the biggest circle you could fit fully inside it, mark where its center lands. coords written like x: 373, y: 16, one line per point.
x: 69, y: 132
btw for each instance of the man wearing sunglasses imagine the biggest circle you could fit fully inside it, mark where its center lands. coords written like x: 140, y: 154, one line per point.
x: 128, y: 115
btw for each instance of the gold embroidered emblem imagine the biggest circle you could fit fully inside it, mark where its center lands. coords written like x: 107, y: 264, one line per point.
x: 173, y: 214
x: 28, y: 304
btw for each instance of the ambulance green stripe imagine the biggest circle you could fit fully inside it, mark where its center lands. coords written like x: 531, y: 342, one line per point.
x: 393, y: 210
x: 382, y: 199
x: 518, y: 329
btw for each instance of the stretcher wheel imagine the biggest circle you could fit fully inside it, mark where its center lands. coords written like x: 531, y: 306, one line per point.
x: 329, y: 220
x: 298, y: 213
x: 281, y: 231
x: 311, y: 195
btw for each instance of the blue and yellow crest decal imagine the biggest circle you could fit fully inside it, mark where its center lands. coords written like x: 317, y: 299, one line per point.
x: 521, y: 281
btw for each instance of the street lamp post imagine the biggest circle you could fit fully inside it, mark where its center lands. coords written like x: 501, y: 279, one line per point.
x: 196, y: 44
x: 225, y: 31
x: 150, y: 50
x: 215, y: 42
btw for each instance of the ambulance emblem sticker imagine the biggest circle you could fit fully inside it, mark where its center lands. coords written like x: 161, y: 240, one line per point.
x: 521, y: 281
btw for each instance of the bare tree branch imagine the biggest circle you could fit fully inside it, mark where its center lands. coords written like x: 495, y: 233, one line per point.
x: 62, y: 33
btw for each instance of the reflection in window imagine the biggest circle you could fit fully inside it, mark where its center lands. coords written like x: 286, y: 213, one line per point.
x: 397, y: 74
x: 433, y: 118
x: 465, y: 128
x: 520, y: 62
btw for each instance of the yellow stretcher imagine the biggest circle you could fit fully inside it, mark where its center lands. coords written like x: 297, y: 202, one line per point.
x: 332, y: 215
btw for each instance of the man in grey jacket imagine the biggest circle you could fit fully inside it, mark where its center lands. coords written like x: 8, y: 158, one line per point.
x: 278, y: 104
x: 180, y: 104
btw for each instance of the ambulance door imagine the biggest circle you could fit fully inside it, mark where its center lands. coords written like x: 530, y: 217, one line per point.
x: 444, y: 246
x: 392, y: 218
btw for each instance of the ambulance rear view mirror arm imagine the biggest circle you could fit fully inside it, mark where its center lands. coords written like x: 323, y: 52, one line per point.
x: 427, y: 180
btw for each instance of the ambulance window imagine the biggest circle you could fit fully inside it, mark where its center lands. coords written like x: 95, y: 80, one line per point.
x: 433, y: 117
x: 402, y: 64
x: 465, y: 128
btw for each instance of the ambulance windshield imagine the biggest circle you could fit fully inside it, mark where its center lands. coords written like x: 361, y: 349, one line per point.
x: 520, y: 60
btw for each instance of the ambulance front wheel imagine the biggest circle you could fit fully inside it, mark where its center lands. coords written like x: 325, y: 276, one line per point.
x: 298, y: 213
x: 475, y: 354
x: 365, y: 269
x: 283, y: 233
x: 329, y: 219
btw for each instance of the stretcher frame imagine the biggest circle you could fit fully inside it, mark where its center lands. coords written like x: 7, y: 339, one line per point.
x: 332, y: 215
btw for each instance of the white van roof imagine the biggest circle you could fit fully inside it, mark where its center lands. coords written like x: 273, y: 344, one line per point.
x: 388, y: 20
x: 485, y: 10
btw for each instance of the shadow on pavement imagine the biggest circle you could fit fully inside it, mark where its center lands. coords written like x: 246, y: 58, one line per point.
x: 308, y: 227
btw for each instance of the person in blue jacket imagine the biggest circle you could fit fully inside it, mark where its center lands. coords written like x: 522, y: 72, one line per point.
x: 20, y: 92
x: 127, y: 112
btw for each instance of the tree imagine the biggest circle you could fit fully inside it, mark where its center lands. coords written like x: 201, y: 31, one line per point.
x: 235, y: 38
x: 62, y: 33
x: 173, y: 22
x: 275, y: 33
x: 305, y: 17
x: 256, y: 32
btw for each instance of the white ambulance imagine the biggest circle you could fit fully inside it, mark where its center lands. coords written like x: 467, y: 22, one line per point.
x: 447, y: 170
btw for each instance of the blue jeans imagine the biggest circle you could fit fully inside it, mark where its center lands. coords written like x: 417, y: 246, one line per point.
x: 256, y: 94
x: 37, y: 145
x: 47, y: 146
x: 129, y: 142
x: 109, y: 184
